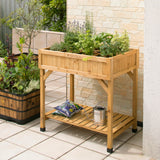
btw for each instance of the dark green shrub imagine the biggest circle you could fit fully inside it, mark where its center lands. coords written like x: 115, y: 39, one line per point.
x: 54, y: 13
x: 3, y: 50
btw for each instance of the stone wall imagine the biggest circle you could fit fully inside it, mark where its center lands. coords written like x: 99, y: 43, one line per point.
x: 111, y: 16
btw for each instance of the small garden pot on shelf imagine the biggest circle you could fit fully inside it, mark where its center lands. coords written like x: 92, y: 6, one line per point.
x: 19, y: 108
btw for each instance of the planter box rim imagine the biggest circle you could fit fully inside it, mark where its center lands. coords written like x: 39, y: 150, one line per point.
x: 99, y: 57
x: 20, y: 95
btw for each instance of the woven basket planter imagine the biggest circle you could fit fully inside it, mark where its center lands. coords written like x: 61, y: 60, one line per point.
x: 19, y: 108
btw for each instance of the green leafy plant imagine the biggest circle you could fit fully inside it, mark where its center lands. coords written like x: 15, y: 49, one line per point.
x: 85, y: 43
x: 3, y: 50
x: 102, y: 37
x: 17, y: 76
x: 70, y: 38
x: 28, y: 16
x: 115, y: 45
x: 54, y: 13
x: 121, y: 43
x: 19, y: 44
x: 58, y: 47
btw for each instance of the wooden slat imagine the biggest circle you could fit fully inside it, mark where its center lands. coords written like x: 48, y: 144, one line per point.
x: 72, y: 87
x: 49, y: 112
x: 104, y: 85
x: 47, y: 74
x: 130, y: 74
x: 71, y: 71
x: 123, y: 72
x: 122, y: 129
x: 115, y: 129
x: 84, y: 117
x: 120, y: 120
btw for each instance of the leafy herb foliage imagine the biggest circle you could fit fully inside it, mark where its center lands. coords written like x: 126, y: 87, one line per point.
x: 19, y: 77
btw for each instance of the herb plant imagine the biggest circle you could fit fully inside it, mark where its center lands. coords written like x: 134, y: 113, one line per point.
x: 121, y: 43
x: 85, y: 43
x: 58, y: 47
x: 19, y: 77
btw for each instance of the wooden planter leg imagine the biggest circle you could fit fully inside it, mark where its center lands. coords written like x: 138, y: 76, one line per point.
x: 72, y: 87
x: 110, y: 117
x: 42, y: 100
x: 134, y: 103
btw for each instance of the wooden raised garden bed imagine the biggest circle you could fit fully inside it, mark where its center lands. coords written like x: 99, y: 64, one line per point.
x: 19, y: 108
x: 99, y: 68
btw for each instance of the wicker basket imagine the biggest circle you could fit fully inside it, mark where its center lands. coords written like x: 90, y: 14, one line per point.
x: 19, y: 108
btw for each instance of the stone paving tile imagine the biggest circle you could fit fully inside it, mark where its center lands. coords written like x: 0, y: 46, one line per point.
x: 8, y: 129
x: 49, y: 99
x: 53, y: 148
x: 8, y: 150
x: 80, y: 153
x: 74, y: 135
x: 125, y: 135
x: 129, y: 152
x: 56, y: 94
x: 98, y: 143
x: 110, y: 158
x: 58, y: 102
x: 30, y: 155
x: 27, y: 138
x: 53, y: 77
x: 54, y: 85
x: 136, y: 140
x: 1, y: 121
x: 30, y: 124
x: 52, y: 127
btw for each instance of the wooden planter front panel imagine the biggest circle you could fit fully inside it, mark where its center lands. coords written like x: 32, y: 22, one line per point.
x: 93, y: 67
x: 19, y: 108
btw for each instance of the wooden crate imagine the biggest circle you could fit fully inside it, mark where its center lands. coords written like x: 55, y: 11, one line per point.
x: 89, y: 66
x: 19, y: 108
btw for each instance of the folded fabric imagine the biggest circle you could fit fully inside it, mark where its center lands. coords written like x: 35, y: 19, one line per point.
x: 67, y: 109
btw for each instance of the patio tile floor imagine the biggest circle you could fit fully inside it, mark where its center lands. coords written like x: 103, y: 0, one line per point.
x: 62, y: 141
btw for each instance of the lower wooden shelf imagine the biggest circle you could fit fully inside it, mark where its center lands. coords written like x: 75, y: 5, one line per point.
x: 84, y: 119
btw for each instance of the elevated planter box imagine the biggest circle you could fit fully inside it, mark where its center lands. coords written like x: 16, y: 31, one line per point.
x: 100, y: 68
x: 19, y: 108
x: 89, y: 66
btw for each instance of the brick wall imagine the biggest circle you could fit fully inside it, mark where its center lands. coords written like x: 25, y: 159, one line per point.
x: 111, y: 16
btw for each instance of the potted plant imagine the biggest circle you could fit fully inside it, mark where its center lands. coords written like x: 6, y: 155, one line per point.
x: 19, y: 89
